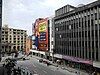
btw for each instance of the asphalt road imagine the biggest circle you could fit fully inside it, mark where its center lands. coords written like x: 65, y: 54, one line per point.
x: 35, y: 67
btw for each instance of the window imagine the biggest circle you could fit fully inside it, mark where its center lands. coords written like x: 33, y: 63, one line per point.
x: 96, y: 43
x: 91, y: 22
x: 92, y: 33
x: 88, y: 23
x: 96, y: 34
x: 2, y: 38
x: 82, y: 33
x: 99, y: 15
x: 88, y: 17
x: 85, y: 33
x: 95, y: 16
x: 92, y: 16
x: 97, y: 54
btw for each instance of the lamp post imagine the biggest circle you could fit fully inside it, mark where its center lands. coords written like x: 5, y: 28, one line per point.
x: 52, y: 57
x: 79, y: 68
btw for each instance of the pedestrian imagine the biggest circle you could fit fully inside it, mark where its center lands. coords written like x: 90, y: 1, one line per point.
x: 57, y: 67
x: 94, y: 73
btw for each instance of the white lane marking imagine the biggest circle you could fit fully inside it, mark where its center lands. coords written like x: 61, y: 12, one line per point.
x: 53, y: 69
x: 35, y: 74
x: 44, y: 71
x: 33, y: 65
x: 35, y: 71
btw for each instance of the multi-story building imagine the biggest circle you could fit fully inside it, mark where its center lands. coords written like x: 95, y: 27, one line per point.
x: 43, y: 37
x: 0, y: 27
x: 77, y: 35
x: 13, y: 39
x: 51, y: 36
x: 28, y: 44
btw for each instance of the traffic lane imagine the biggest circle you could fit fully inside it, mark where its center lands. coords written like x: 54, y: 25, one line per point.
x: 47, y: 70
x: 27, y: 66
x: 53, y: 68
x: 42, y: 69
x: 39, y: 68
x: 32, y: 67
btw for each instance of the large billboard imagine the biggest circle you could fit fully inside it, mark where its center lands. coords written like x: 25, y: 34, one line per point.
x: 43, y: 34
x: 43, y: 26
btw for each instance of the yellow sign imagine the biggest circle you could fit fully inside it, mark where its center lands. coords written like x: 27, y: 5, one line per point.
x: 42, y: 27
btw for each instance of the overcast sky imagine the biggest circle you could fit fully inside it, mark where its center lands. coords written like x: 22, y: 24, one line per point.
x: 21, y: 14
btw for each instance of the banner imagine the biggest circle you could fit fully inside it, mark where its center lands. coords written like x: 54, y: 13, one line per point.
x: 43, y: 26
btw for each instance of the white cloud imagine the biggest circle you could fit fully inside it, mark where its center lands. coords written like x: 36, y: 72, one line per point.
x: 21, y: 13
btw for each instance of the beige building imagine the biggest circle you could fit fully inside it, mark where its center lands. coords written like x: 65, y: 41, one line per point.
x: 28, y: 44
x: 13, y: 39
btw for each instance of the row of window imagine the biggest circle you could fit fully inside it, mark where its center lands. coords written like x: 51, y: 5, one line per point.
x: 92, y: 44
x: 85, y: 34
x: 73, y: 26
x: 78, y: 53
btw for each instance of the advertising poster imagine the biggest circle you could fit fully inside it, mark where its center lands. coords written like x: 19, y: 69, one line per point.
x: 43, y: 35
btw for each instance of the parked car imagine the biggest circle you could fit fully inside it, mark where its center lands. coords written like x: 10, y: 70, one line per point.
x: 40, y: 60
x: 47, y: 62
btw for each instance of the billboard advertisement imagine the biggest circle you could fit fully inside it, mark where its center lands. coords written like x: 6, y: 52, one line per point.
x: 43, y: 35
x: 43, y: 26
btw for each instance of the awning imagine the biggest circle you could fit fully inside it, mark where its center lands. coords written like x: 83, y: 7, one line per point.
x: 96, y: 64
x: 58, y: 56
x: 35, y: 51
x: 76, y: 59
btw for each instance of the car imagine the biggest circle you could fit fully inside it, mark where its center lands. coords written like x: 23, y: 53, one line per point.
x: 40, y: 60
x: 47, y: 62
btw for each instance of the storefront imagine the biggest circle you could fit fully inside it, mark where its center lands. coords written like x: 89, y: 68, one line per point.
x: 58, y: 57
x: 96, y: 66
x: 78, y: 63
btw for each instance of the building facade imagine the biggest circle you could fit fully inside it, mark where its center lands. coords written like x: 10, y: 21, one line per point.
x: 28, y: 44
x: 0, y: 27
x: 13, y: 39
x: 43, y: 37
x: 77, y: 34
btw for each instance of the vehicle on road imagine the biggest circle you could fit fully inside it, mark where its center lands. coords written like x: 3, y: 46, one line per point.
x: 40, y: 60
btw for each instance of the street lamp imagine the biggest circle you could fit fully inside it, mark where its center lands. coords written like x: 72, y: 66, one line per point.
x: 52, y: 55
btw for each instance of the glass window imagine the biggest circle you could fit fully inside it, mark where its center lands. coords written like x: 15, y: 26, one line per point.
x: 99, y: 15
x: 95, y: 16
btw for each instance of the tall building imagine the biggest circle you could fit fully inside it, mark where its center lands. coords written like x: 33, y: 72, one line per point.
x: 43, y: 37
x: 51, y: 36
x: 77, y: 35
x: 28, y: 44
x: 0, y: 26
x: 13, y: 39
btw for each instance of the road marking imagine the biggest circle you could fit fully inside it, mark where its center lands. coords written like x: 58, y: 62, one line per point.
x: 35, y: 71
x: 44, y: 71
x: 33, y: 65
x: 35, y: 74
x: 53, y: 69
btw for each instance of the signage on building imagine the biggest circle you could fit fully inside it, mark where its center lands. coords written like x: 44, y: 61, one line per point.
x: 43, y: 26
x: 43, y: 34
x: 75, y: 59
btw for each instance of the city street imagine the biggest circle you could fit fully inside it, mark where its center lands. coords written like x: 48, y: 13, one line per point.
x: 34, y: 66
